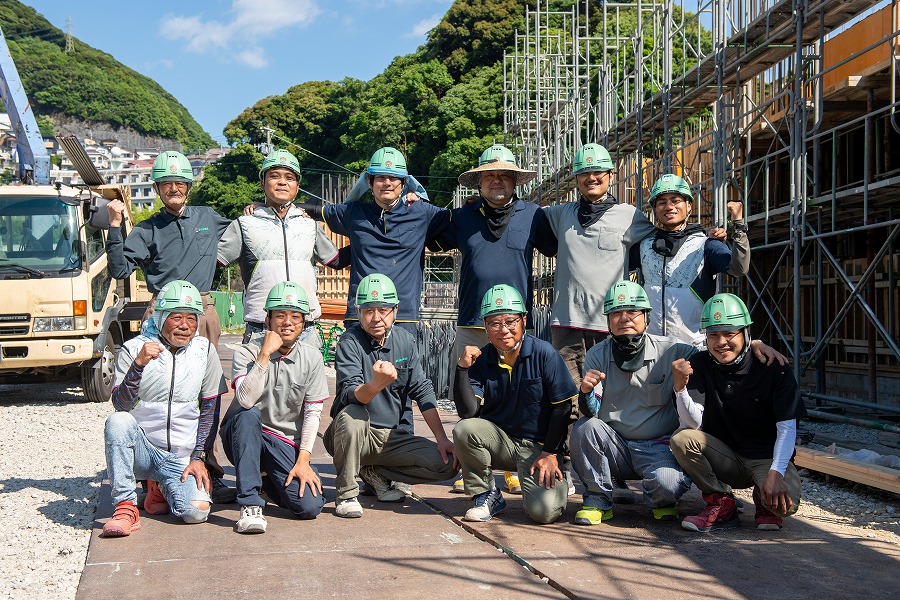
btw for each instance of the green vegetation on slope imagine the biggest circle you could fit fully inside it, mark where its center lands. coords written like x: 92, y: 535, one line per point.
x: 89, y: 84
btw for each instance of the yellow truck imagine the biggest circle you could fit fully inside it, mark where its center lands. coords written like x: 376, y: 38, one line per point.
x: 60, y: 310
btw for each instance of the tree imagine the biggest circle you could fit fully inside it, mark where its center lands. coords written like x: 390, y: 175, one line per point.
x: 231, y: 183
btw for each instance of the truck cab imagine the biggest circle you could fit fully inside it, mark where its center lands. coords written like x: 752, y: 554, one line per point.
x: 60, y: 310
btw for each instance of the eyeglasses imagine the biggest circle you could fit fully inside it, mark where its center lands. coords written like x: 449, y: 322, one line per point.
x: 379, y: 311
x: 510, y: 324
x: 178, y: 185
x: 178, y: 319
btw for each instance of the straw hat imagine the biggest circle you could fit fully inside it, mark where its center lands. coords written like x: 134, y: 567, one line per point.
x: 495, y: 158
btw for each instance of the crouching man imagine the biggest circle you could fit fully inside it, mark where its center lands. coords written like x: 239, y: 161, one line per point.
x: 740, y: 418
x: 379, y: 376
x: 279, y: 388
x: 168, y: 385
x: 514, y: 397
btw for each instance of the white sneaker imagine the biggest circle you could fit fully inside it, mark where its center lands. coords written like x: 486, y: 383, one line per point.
x: 252, y: 520
x: 487, y: 504
x: 381, y: 485
x: 570, y: 483
x: 349, y: 508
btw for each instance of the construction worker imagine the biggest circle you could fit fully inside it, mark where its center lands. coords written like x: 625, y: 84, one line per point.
x: 177, y: 243
x: 277, y: 242
x: 496, y: 236
x: 379, y: 376
x: 514, y: 397
x: 626, y: 399
x: 279, y: 389
x: 594, y: 231
x: 388, y: 235
x: 628, y: 413
x: 679, y: 263
x: 740, y: 423
x: 168, y: 383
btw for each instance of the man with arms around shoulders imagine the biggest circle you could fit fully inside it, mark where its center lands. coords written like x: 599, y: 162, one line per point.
x: 740, y: 423
x: 167, y: 390
x: 379, y: 376
x: 278, y: 242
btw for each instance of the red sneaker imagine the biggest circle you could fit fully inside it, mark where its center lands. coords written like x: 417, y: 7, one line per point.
x: 766, y: 520
x: 125, y: 519
x: 720, y: 513
x: 155, y: 503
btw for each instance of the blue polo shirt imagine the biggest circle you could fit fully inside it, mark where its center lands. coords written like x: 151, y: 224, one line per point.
x: 391, y: 243
x: 487, y: 261
x: 519, y: 400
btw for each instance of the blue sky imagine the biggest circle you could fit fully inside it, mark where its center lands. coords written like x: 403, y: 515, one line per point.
x: 217, y: 57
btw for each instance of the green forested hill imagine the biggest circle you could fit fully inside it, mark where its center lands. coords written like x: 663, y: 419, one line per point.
x: 89, y: 84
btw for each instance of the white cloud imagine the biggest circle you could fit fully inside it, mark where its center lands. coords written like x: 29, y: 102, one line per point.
x: 425, y: 25
x: 240, y: 37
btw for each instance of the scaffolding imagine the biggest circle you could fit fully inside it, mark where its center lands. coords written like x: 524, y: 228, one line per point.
x: 789, y: 106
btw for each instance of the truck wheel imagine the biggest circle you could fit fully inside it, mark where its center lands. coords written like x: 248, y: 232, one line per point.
x: 97, y: 382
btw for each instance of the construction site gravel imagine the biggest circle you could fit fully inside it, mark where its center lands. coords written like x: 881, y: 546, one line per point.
x: 52, y: 464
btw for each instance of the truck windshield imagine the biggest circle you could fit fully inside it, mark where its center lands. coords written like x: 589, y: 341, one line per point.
x: 38, y: 233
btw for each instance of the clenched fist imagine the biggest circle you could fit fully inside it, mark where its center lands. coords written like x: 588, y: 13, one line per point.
x: 591, y: 380
x: 149, y: 351
x: 470, y: 353
x: 271, y: 343
x: 681, y: 373
x: 383, y: 374
x: 735, y: 210
x: 116, y: 209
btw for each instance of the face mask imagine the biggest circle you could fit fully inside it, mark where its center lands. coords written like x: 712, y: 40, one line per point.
x: 628, y: 351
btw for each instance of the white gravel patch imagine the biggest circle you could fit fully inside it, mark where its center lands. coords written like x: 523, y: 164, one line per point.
x: 51, y: 466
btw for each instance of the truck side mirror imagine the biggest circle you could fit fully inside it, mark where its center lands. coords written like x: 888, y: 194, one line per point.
x: 96, y: 214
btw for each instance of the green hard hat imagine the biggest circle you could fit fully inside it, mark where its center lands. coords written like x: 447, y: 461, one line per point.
x: 496, y: 153
x: 179, y: 296
x: 592, y: 157
x: 626, y: 295
x: 280, y: 158
x: 671, y: 184
x: 288, y: 295
x: 387, y: 161
x: 724, y: 312
x: 376, y: 290
x: 172, y: 166
x: 502, y: 299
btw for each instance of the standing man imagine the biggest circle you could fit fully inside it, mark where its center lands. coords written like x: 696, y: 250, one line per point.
x: 740, y: 418
x: 596, y: 234
x: 388, y: 235
x: 379, y: 376
x: 279, y: 388
x: 514, y: 397
x: 167, y: 387
x: 679, y: 263
x: 278, y: 242
x: 179, y: 242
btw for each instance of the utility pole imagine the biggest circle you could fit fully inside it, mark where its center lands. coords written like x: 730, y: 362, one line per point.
x: 269, y: 131
x: 70, y: 43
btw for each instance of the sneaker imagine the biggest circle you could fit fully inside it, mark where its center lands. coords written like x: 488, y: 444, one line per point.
x: 570, y: 483
x: 155, y: 503
x: 125, y: 519
x: 765, y: 519
x: 402, y: 486
x: 459, y: 487
x: 381, y: 485
x: 349, y: 508
x: 666, y: 513
x: 512, y: 482
x: 591, y: 515
x: 720, y: 513
x: 252, y: 520
x: 222, y: 494
x: 487, y: 504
